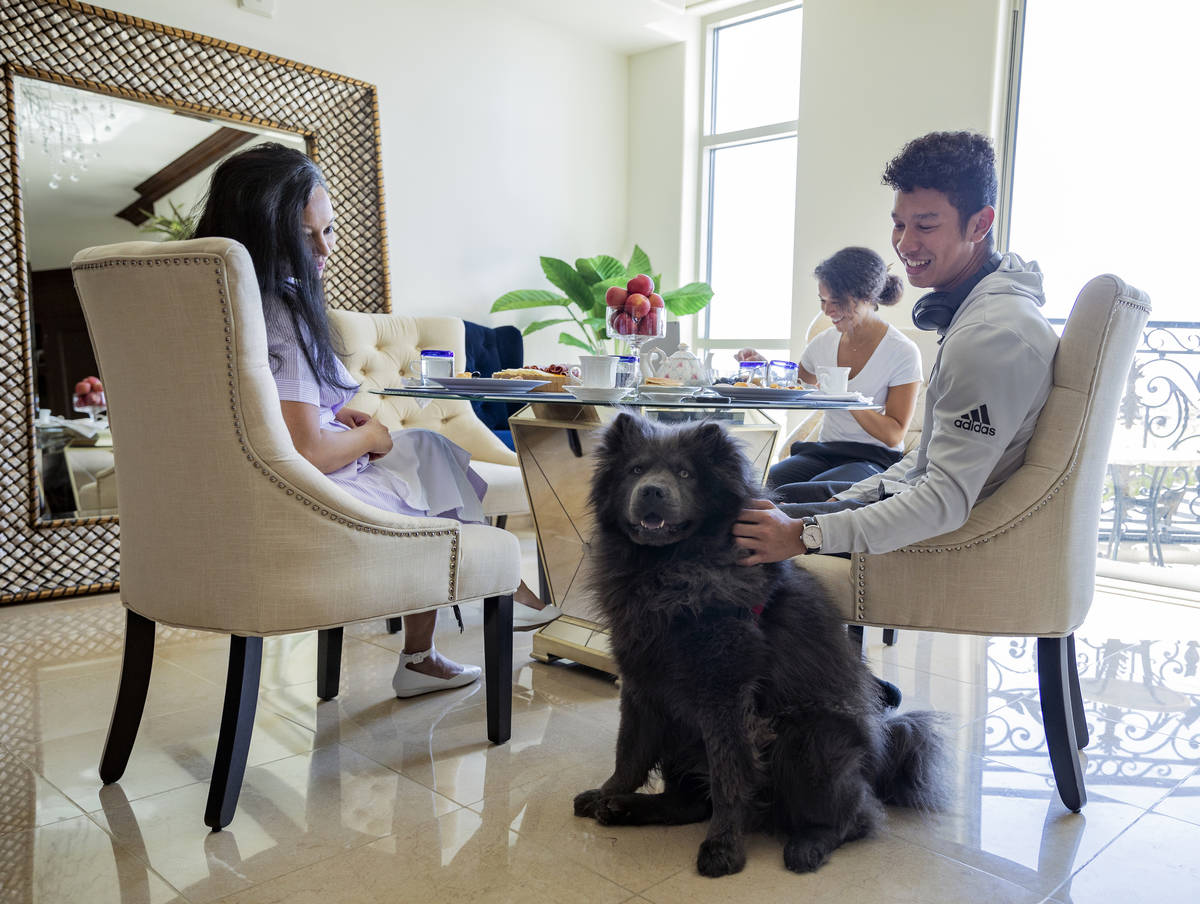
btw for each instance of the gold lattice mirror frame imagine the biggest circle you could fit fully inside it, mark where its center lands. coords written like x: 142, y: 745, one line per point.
x: 95, y: 49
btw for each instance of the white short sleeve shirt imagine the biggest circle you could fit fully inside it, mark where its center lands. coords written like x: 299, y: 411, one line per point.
x: 895, y: 362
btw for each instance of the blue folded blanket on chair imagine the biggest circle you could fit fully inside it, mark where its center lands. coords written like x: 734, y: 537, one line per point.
x: 490, y: 349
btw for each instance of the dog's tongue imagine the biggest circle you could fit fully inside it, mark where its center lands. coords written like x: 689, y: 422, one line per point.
x: 653, y: 522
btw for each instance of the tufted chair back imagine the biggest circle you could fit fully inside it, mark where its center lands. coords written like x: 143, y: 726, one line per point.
x: 379, y: 349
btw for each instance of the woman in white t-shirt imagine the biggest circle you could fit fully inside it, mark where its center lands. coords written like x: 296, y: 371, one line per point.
x: 885, y: 365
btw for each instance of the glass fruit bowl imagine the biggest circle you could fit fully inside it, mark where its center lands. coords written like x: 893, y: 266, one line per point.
x: 636, y: 318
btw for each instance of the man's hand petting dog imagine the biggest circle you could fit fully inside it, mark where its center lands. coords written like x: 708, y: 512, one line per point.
x: 763, y: 534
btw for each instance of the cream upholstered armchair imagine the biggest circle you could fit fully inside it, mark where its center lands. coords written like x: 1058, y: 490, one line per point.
x: 1024, y: 564
x: 380, y: 349
x: 93, y: 478
x: 224, y: 526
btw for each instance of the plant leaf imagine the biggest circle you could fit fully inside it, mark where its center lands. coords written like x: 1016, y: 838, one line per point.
x: 542, y: 324
x: 586, y: 270
x: 639, y: 263
x: 688, y: 299
x: 563, y: 275
x: 527, y: 298
x: 568, y: 339
x: 605, y: 267
x: 596, y: 323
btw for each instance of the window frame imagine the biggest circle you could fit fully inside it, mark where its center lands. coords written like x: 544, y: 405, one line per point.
x: 710, y: 142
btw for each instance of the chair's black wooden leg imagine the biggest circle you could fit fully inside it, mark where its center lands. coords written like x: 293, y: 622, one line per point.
x: 497, y: 666
x: 131, y: 696
x: 237, y: 724
x: 889, y: 637
x: 1058, y: 718
x: 1081, y: 730
x: 854, y: 634
x: 329, y: 662
x: 500, y: 521
x: 395, y: 624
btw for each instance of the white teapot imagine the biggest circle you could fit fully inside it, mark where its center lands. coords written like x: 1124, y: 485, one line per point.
x: 682, y: 365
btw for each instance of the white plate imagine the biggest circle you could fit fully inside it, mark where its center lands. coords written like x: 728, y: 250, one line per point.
x: 488, y: 384
x: 819, y: 396
x: 597, y: 393
x: 759, y: 393
x: 666, y: 393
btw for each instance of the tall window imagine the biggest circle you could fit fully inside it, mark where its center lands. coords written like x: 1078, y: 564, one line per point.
x: 1103, y: 181
x: 748, y: 154
x: 1104, y: 176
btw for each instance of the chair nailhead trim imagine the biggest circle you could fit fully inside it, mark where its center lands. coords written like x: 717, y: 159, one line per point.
x: 1011, y: 525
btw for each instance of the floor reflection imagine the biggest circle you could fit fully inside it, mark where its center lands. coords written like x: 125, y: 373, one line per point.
x: 370, y: 798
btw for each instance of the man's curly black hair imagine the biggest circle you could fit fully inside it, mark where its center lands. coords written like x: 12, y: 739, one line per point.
x: 962, y: 165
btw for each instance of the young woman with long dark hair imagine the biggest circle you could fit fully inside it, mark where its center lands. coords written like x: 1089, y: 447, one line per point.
x: 274, y: 201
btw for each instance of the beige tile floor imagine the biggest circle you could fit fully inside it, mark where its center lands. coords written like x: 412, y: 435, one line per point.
x: 367, y: 798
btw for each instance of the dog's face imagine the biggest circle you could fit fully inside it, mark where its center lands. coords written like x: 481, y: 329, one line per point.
x: 659, y: 485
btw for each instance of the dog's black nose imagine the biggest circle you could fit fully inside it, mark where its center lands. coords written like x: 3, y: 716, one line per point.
x: 650, y: 491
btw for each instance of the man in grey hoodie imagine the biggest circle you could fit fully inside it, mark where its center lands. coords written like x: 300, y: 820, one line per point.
x: 986, y: 388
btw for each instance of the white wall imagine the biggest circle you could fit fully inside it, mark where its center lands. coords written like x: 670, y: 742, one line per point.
x: 664, y: 128
x: 503, y: 137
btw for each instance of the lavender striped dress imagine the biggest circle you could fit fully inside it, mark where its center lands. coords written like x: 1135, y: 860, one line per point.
x: 424, y: 474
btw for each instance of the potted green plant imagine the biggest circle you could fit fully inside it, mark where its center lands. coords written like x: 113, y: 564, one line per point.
x: 584, y: 287
x: 177, y: 227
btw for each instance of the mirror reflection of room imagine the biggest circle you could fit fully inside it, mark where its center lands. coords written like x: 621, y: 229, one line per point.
x: 96, y: 169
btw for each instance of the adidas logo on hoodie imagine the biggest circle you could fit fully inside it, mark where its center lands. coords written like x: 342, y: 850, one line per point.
x: 976, y: 421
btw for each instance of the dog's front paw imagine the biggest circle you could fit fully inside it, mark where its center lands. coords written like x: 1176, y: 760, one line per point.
x: 720, y: 857
x: 804, y: 855
x: 587, y: 803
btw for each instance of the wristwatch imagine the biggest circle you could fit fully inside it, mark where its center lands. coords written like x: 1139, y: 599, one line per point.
x: 811, y: 535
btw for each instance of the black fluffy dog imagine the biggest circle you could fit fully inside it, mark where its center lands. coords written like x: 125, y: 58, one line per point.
x: 738, y: 684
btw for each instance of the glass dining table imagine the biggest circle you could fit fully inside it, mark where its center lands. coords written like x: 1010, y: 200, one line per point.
x: 555, y: 434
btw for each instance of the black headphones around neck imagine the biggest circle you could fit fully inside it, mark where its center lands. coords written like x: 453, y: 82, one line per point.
x: 935, y: 310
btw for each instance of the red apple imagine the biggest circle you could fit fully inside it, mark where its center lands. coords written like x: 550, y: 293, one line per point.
x: 656, y: 300
x: 615, y: 297
x: 637, y: 305
x: 624, y: 325
x: 648, y: 325
x: 93, y: 398
x: 640, y: 285
x: 82, y: 388
x: 94, y: 382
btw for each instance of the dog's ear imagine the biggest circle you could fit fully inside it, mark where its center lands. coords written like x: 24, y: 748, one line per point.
x: 625, y: 429
x: 726, y: 455
x: 711, y: 433
x: 716, y: 442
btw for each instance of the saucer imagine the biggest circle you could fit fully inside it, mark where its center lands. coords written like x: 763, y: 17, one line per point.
x: 759, y: 393
x: 597, y: 393
x: 657, y: 393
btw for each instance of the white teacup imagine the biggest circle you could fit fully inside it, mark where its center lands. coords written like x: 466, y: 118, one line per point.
x: 599, y: 371
x: 833, y: 379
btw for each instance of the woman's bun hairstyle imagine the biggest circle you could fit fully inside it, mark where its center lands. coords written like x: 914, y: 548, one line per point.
x: 857, y: 272
x: 893, y: 288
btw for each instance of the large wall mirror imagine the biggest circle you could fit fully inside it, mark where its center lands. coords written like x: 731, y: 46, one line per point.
x: 107, y: 147
x: 94, y: 170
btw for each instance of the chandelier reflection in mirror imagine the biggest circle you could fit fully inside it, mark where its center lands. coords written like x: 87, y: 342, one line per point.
x: 64, y: 126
